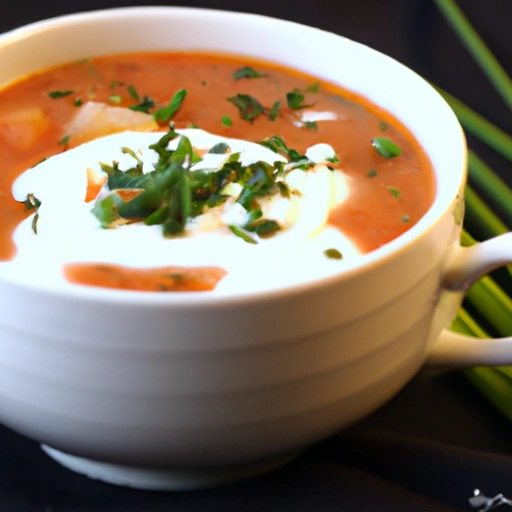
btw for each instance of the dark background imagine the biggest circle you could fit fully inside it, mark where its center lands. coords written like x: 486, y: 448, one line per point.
x: 439, y: 438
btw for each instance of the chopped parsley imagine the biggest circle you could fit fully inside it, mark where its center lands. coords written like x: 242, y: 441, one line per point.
x: 394, y: 192
x: 115, y: 98
x: 333, y: 254
x: 132, y: 92
x: 372, y: 173
x: 144, y: 105
x: 248, y: 106
x: 32, y: 203
x: 78, y: 102
x: 295, y: 100
x: 54, y: 95
x: 386, y: 148
x: 64, y: 141
x: 226, y: 121
x: 274, y: 111
x: 173, y: 192
x: 311, y: 125
x: 247, y: 72
x: 383, y: 126
x: 406, y: 218
x: 166, y: 113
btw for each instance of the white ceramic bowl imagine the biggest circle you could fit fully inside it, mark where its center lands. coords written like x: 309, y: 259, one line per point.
x: 183, y: 391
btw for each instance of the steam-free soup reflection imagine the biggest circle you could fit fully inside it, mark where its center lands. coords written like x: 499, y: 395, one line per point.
x: 197, y: 172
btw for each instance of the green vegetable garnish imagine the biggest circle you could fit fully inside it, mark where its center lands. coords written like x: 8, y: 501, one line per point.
x: 372, y: 173
x: 78, y: 102
x: 226, y: 121
x: 274, y: 111
x: 115, y: 98
x: 220, y: 149
x: 166, y: 113
x: 246, y: 72
x: 383, y: 126
x: 406, y: 218
x: 248, y: 106
x: 333, y: 254
x: 311, y: 125
x: 132, y: 92
x: 64, y: 141
x: 295, y: 100
x: 174, y: 192
x: 386, y: 148
x: 394, y: 192
x: 60, y: 94
x: 144, y: 105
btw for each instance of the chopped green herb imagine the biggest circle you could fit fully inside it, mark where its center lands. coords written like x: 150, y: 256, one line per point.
x: 333, y: 159
x: 248, y: 106
x: 132, y: 92
x: 295, y: 100
x: 31, y: 203
x: 78, y: 102
x: 246, y: 72
x: 395, y: 192
x: 386, y: 148
x: 226, y: 121
x: 383, y: 126
x: 115, y: 98
x: 144, y: 105
x: 64, y: 141
x: 54, y: 95
x: 333, y: 254
x: 264, y: 228
x: 406, y: 218
x: 166, y: 113
x: 314, y: 87
x: 242, y: 234
x: 220, y: 148
x: 372, y: 173
x: 274, y: 111
x: 311, y: 125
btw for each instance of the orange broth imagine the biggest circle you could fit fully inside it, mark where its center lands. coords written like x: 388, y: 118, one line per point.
x: 387, y: 196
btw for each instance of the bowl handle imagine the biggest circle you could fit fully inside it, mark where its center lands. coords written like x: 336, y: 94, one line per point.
x: 467, y: 265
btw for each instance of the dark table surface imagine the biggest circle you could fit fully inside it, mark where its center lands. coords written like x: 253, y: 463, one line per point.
x: 438, y: 439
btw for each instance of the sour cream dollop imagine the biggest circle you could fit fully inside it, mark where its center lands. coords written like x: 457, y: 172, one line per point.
x: 67, y: 232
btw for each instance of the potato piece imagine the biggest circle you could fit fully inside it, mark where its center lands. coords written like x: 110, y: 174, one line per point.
x: 94, y: 120
x: 23, y: 127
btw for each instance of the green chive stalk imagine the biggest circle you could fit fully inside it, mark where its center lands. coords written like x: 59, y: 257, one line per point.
x: 477, y: 48
x: 486, y: 296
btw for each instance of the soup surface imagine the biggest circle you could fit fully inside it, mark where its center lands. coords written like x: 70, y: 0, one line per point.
x: 389, y: 178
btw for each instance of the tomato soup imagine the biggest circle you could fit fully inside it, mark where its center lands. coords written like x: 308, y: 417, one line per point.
x: 392, y: 182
